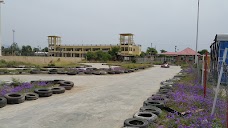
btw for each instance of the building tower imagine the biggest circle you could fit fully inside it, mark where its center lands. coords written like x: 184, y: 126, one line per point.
x: 126, y: 39
x: 53, y: 42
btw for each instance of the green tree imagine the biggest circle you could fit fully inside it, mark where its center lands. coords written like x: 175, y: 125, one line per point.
x: 163, y: 51
x: 202, y: 52
x: 91, y: 56
x: 114, y: 52
x: 27, y: 51
x: 143, y: 54
x: 151, y: 51
x: 36, y: 50
x: 45, y: 49
x: 15, y: 50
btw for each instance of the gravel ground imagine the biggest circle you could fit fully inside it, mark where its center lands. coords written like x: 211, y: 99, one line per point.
x: 94, y: 102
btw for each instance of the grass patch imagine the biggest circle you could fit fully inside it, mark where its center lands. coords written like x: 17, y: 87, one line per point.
x: 187, y: 95
x: 130, y: 65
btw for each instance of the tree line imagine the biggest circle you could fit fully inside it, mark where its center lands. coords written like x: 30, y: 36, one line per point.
x: 25, y: 50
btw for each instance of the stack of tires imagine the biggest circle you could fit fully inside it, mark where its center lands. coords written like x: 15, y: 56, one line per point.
x: 17, y: 98
x: 151, y: 109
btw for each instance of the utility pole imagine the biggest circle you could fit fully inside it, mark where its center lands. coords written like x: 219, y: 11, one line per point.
x: 151, y: 45
x: 197, y: 34
x: 175, y: 48
x: 13, y: 36
x: 1, y: 2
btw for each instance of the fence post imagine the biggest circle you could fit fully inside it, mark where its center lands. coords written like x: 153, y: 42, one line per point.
x: 219, y: 81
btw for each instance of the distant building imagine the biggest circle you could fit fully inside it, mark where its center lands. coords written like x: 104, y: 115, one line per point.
x: 127, y: 46
x: 187, y: 55
x: 41, y: 53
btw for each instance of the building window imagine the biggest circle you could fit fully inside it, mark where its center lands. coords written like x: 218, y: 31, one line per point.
x: 190, y: 58
x: 122, y: 48
x: 126, y: 48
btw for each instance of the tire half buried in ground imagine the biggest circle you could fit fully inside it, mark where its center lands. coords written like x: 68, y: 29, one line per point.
x: 149, y: 116
x: 43, y: 92
x: 136, y: 122
x: 58, y: 90
x: 31, y: 96
x: 3, y: 102
x: 14, y: 98
x: 152, y: 109
x: 68, y: 85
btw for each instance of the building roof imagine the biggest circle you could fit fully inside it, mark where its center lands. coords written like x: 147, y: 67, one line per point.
x: 127, y: 34
x: 169, y: 53
x: 221, y: 37
x: 187, y: 51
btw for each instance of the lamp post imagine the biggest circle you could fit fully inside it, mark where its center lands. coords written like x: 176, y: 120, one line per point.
x: 197, y: 35
x: 13, y: 36
x: 1, y: 2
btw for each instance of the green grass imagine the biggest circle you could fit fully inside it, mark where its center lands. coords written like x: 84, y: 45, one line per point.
x: 129, y: 65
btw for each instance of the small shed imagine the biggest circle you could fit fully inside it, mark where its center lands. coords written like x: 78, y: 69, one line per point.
x: 217, y: 50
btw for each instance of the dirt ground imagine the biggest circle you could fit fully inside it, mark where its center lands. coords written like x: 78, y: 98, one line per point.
x: 95, y: 101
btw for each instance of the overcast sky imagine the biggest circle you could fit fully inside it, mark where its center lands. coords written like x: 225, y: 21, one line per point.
x: 164, y: 23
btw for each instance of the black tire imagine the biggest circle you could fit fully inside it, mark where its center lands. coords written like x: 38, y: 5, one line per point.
x: 57, y: 81
x: 52, y: 72
x: 58, y: 90
x: 149, y: 116
x: 152, y: 109
x: 163, y: 95
x: 3, y: 102
x: 164, y: 91
x: 66, y: 83
x: 166, y: 87
x: 88, y: 72
x: 135, y: 122
x: 14, y: 98
x: 43, y: 92
x: 35, y: 72
x: 31, y: 96
x: 155, y: 103
x: 158, y: 98
x: 71, y: 73
x: 111, y: 72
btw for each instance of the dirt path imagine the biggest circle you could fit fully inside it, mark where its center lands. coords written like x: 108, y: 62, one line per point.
x: 95, y: 102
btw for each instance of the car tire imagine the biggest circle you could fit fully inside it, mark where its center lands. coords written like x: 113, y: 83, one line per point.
x: 58, y: 90
x: 43, y: 92
x: 136, y: 122
x: 3, y: 102
x: 158, y: 98
x: 155, y: 103
x: 31, y: 96
x: 66, y: 83
x: 14, y: 98
x: 162, y: 95
x: 149, y: 116
x: 164, y: 91
x: 152, y: 109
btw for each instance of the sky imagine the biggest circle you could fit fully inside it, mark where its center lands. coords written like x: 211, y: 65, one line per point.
x: 163, y: 24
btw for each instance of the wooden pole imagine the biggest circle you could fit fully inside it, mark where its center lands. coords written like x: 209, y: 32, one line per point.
x: 205, y: 75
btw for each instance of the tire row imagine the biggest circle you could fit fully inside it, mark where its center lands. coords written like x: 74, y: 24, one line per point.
x: 17, y: 98
x: 95, y: 71
x: 152, y: 107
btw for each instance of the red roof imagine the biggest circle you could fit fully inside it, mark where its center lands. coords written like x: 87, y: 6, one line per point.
x: 187, y: 51
x: 169, y: 53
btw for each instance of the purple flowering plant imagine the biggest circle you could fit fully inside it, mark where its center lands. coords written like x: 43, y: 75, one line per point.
x: 23, y: 87
x: 188, y: 96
